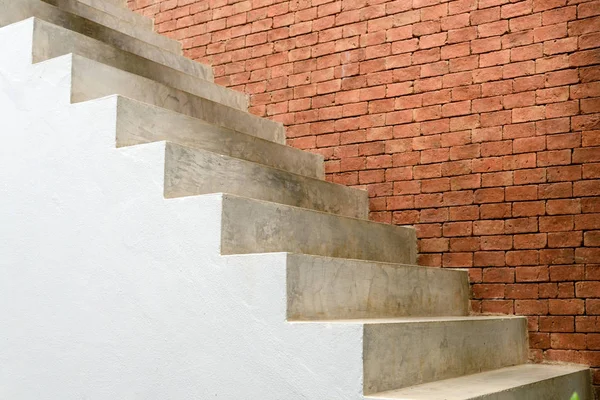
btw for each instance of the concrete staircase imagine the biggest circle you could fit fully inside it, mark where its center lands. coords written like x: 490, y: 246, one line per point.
x: 160, y: 242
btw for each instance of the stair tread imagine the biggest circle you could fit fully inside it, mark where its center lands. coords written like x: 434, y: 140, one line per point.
x: 418, y: 319
x: 481, y: 384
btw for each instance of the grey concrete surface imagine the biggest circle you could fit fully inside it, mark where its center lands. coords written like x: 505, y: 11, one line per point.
x: 410, y: 352
x: 143, y: 123
x: 190, y: 172
x: 321, y: 288
x: 92, y: 80
x: 253, y: 226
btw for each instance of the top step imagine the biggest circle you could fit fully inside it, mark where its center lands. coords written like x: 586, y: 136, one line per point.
x: 119, y: 19
x: 117, y: 8
x: 16, y: 11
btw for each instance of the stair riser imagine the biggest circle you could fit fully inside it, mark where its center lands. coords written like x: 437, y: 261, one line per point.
x: 408, y: 354
x: 92, y: 80
x: 191, y: 172
x: 116, y: 22
x: 251, y: 226
x: 329, y: 288
x: 141, y: 123
x: 24, y: 9
x: 560, y: 388
x: 52, y: 41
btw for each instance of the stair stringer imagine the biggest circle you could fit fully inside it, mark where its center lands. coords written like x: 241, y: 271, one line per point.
x: 111, y: 291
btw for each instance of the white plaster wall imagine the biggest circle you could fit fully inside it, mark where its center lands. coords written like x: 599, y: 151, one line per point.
x: 109, y: 291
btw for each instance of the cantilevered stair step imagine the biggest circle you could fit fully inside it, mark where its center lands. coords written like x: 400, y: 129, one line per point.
x: 51, y: 41
x: 15, y: 11
x: 92, y: 80
x: 522, y: 382
x: 139, y: 123
x: 119, y: 9
x: 321, y: 288
x: 413, y: 351
x: 190, y: 172
x: 101, y: 14
x: 255, y: 226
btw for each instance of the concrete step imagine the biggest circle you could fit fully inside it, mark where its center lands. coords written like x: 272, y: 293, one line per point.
x: 50, y: 41
x: 120, y: 10
x: 92, y: 80
x: 255, y: 226
x: 321, y: 288
x: 190, y: 171
x: 15, y: 11
x: 101, y: 14
x: 139, y: 123
x: 398, y: 353
x: 522, y: 382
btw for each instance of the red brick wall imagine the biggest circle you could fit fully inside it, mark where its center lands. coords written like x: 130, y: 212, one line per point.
x: 476, y: 121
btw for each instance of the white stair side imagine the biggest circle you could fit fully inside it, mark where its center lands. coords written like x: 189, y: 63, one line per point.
x: 139, y: 122
x: 52, y: 41
x: 522, y: 382
x: 92, y: 80
x: 322, y: 288
x: 190, y: 172
x: 254, y: 226
x: 111, y: 21
x: 15, y: 11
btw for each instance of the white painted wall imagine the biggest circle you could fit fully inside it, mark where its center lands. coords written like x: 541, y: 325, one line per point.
x: 109, y: 291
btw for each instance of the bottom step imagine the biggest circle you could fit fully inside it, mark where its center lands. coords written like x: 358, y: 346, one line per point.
x: 523, y: 382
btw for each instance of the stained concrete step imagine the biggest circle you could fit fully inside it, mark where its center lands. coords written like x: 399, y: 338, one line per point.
x: 322, y: 288
x: 101, y: 14
x: 139, y: 123
x: 92, y: 80
x: 401, y: 353
x: 120, y: 10
x: 50, y: 41
x: 255, y: 226
x: 15, y: 11
x: 190, y: 172
x: 522, y: 382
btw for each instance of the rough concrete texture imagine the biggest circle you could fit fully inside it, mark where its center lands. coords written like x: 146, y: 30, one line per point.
x: 190, y: 171
x: 139, y: 123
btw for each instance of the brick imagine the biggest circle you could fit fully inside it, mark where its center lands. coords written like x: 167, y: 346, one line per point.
x: 524, y: 257
x: 488, y: 259
x: 530, y: 241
